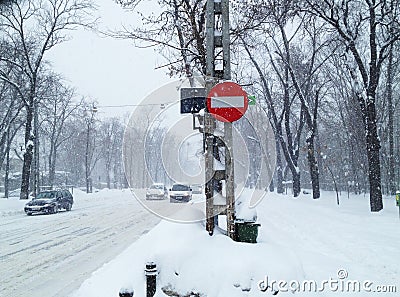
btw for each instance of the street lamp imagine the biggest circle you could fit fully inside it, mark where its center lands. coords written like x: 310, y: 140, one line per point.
x: 89, y: 123
x: 94, y: 109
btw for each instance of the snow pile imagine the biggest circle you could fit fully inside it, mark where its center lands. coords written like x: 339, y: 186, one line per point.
x: 243, y: 210
x: 189, y: 260
x: 11, y: 206
x: 299, y: 240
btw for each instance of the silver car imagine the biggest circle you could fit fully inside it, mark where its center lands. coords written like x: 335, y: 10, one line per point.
x: 197, y: 189
x: 180, y: 193
x: 156, y: 191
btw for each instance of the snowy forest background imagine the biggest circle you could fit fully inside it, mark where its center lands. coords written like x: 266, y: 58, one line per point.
x: 326, y: 72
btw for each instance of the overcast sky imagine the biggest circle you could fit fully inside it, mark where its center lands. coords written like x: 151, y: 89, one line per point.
x: 113, y: 72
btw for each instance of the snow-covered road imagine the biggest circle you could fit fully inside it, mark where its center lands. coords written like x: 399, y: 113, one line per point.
x: 51, y: 255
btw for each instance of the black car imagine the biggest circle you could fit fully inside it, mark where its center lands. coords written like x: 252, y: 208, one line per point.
x: 50, y: 202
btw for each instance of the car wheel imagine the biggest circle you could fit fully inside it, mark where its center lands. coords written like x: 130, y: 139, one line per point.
x: 55, y: 209
x: 28, y: 213
x: 69, y: 206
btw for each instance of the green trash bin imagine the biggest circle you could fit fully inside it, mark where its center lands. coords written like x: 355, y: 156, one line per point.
x: 246, y: 231
x: 398, y: 198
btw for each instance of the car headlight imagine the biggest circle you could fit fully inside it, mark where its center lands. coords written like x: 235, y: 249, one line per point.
x: 47, y: 205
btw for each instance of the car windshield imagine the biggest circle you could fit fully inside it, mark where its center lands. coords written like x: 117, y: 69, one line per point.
x: 157, y: 187
x: 180, y: 188
x: 45, y: 195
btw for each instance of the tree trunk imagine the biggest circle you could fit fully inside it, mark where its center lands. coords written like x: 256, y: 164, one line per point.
x: 87, y: 173
x: 374, y: 180
x: 392, y: 184
x: 3, y: 145
x: 7, y: 173
x: 312, y: 163
x: 271, y: 186
x: 335, y: 184
x: 292, y: 165
x: 295, y: 156
x: 296, y: 183
x: 374, y: 172
x: 28, y: 154
x: 373, y: 147
x: 52, y: 167
x: 108, y: 173
x: 279, y: 170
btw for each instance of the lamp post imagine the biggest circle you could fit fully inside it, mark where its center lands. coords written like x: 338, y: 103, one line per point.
x: 89, y: 123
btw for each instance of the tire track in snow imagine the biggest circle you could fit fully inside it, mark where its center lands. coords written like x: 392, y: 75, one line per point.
x: 53, y: 254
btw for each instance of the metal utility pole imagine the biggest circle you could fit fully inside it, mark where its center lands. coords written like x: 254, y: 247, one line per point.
x: 218, y: 67
x: 209, y: 121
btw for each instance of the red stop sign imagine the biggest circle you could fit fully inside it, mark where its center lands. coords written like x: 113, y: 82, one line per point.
x: 227, y: 101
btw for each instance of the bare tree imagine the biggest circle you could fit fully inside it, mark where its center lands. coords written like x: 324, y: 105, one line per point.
x: 178, y: 33
x: 34, y: 27
x: 282, y: 116
x: 111, y: 132
x: 10, y: 99
x: 93, y: 152
x: 10, y: 114
x: 56, y: 109
x: 71, y: 153
x: 350, y: 19
x: 279, y: 55
x: 305, y: 65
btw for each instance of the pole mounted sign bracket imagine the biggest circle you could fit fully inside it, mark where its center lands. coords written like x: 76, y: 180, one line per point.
x: 192, y: 100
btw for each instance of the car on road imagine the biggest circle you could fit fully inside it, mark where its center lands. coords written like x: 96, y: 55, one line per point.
x: 197, y: 188
x: 50, y: 202
x: 157, y: 191
x: 180, y: 193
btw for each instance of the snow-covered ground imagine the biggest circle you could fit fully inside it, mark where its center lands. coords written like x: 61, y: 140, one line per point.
x: 105, y: 242
x: 51, y: 255
x: 303, y: 245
